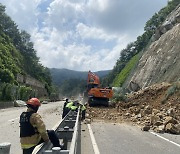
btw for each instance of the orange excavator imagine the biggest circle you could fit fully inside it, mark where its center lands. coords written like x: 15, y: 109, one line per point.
x: 95, y: 94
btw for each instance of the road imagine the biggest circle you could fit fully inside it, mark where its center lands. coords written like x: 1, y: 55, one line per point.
x: 127, y: 139
x: 97, y: 137
x: 9, y: 122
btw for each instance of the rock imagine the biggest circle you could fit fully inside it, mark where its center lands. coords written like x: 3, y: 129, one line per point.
x: 145, y: 128
x: 127, y: 114
x: 170, y: 112
x: 87, y: 115
x: 158, y: 123
x: 133, y: 86
x: 139, y: 115
x: 159, y: 129
x: 19, y: 103
x: 88, y: 121
x: 169, y: 119
x: 155, y: 111
x: 154, y: 119
x: 148, y: 109
x: 171, y: 128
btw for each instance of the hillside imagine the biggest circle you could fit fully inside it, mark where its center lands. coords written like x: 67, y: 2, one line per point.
x: 161, y: 60
x: 21, y: 74
x: 154, y: 56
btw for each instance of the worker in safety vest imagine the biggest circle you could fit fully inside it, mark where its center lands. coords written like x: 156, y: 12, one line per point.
x: 67, y: 108
x: 65, y: 111
x: 75, y: 106
x: 33, y: 130
x: 83, y: 110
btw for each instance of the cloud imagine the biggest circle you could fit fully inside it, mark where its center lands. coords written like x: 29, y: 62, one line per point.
x: 87, y: 32
x: 123, y: 16
x: 23, y: 12
x: 81, y: 34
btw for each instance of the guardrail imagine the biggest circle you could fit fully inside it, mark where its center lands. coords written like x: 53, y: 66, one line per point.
x: 68, y: 132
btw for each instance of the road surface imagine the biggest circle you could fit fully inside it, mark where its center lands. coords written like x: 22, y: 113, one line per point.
x: 127, y: 139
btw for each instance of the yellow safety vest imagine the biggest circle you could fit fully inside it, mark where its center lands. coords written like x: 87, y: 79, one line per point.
x: 69, y: 105
x: 83, y: 108
x: 73, y: 108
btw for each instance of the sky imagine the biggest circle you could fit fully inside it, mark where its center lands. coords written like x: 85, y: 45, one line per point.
x: 81, y: 35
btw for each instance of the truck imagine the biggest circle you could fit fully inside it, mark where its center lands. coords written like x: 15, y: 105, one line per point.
x: 95, y: 94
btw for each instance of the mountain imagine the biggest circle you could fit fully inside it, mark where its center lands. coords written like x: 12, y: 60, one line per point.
x: 70, y: 82
x: 60, y: 75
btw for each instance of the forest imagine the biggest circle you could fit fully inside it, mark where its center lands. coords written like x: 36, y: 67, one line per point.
x: 18, y: 56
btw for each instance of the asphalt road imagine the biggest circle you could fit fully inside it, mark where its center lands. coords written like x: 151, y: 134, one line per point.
x: 9, y: 122
x: 127, y: 139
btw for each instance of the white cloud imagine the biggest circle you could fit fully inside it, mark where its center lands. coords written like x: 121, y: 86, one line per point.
x: 81, y: 34
x: 23, y: 12
x: 87, y: 32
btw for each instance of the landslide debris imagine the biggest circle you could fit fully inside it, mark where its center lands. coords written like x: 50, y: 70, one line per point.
x: 156, y: 107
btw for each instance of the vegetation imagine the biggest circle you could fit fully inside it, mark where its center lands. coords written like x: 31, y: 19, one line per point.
x: 73, y: 87
x: 121, y: 77
x: 17, y: 55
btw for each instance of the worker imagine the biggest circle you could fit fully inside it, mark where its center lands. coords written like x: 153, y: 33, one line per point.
x: 83, y: 111
x: 33, y: 130
x: 65, y: 110
x: 74, y: 106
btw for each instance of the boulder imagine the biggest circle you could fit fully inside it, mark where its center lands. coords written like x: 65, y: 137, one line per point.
x: 145, y: 128
x: 19, y: 103
x: 171, y: 128
x: 148, y: 109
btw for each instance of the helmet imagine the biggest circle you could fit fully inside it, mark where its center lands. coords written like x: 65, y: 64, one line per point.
x: 33, y: 102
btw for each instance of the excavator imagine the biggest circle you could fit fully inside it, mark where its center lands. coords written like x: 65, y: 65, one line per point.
x: 95, y: 94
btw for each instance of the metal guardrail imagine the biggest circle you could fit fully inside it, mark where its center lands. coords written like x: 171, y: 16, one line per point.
x: 68, y: 131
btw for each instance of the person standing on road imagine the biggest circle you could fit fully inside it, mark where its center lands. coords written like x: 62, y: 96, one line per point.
x: 33, y: 130
x: 65, y: 111
x: 83, y: 111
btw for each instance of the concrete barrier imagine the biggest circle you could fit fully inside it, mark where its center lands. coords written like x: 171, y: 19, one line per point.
x: 6, y: 104
x: 5, y: 148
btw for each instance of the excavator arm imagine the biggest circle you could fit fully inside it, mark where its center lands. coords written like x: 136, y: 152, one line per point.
x: 93, y: 78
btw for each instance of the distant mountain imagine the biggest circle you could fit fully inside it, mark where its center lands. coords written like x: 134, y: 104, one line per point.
x: 60, y: 75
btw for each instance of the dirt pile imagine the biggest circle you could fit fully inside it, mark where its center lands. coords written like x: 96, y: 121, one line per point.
x: 157, y: 108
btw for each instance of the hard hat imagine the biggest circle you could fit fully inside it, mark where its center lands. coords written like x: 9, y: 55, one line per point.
x: 34, y: 102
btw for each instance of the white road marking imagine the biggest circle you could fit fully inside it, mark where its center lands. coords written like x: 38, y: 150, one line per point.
x: 95, y: 147
x: 165, y: 139
x: 13, y: 119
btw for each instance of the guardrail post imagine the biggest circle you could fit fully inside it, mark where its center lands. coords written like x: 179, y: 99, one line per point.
x: 65, y: 140
x: 5, y: 148
x: 56, y: 150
